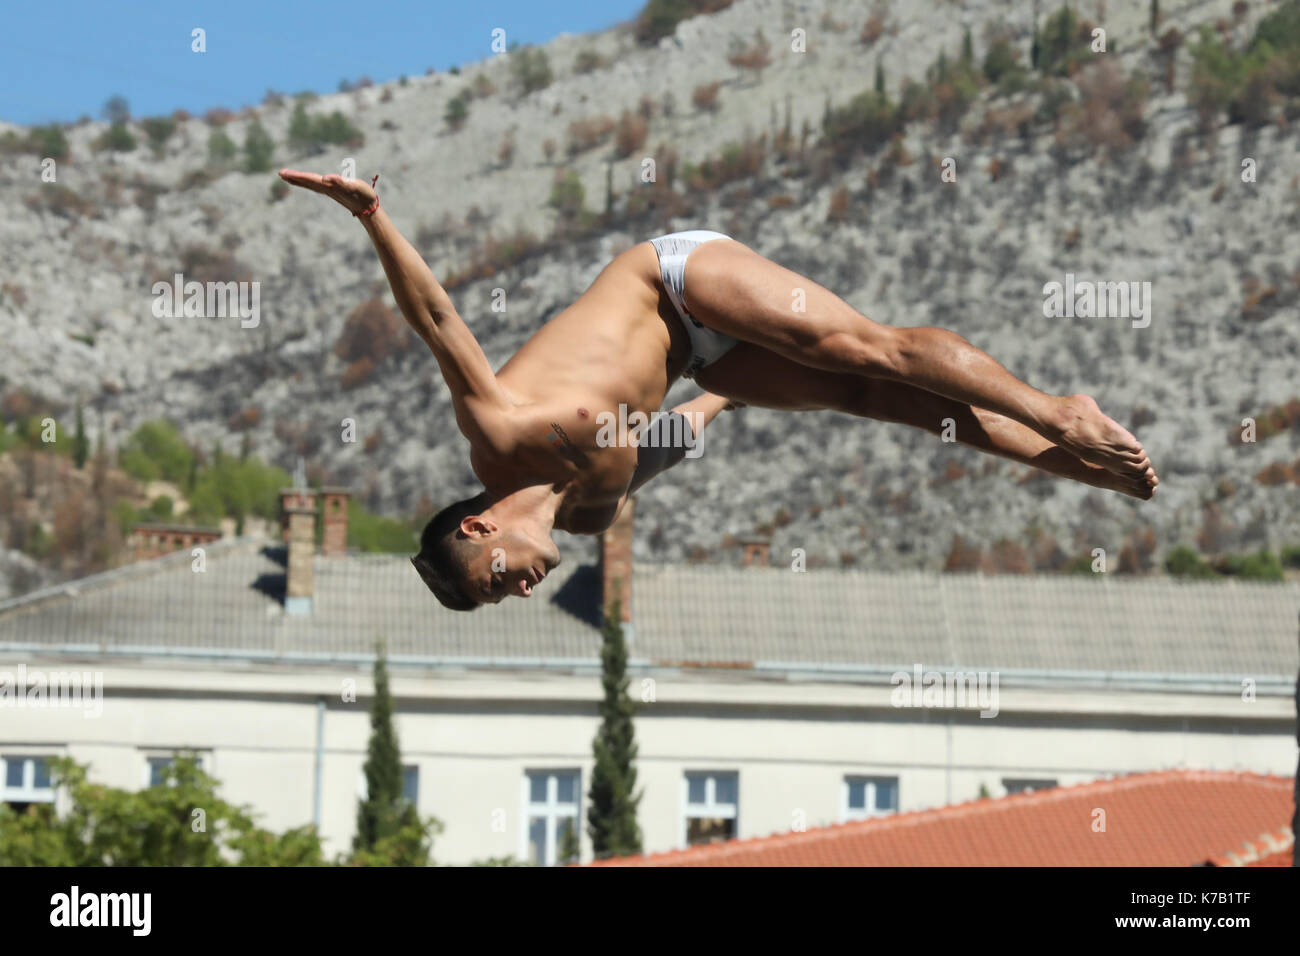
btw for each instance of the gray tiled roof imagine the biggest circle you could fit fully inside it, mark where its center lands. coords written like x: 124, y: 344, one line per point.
x: 684, y: 615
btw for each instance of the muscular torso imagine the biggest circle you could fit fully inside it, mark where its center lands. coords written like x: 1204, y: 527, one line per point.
x: 620, y: 343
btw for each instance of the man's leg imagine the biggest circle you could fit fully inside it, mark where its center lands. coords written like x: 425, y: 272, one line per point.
x: 734, y: 290
x: 764, y: 379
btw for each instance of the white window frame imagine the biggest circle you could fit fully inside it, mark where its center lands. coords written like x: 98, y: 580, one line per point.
x: 27, y: 792
x: 848, y: 813
x: 710, y: 808
x: 205, y: 761
x: 1047, y: 783
x: 552, y: 810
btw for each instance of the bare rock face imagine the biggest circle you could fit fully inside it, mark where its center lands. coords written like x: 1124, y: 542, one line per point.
x: 885, y: 231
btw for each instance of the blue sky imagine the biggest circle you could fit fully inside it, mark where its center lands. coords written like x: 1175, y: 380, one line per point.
x: 62, y: 60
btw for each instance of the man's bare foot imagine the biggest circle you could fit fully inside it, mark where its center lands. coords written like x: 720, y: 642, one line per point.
x: 1142, y: 488
x: 1098, y: 440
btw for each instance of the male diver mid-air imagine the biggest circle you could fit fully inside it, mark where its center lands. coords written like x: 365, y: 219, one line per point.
x: 534, y: 427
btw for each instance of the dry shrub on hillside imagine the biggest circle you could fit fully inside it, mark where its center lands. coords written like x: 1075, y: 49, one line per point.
x: 630, y: 134
x: 373, y: 331
x: 59, y: 200
x: 962, y: 556
x: 1110, y: 114
x: 201, y: 264
x: 585, y: 134
x: 755, y: 56
x: 705, y: 97
x: 356, y: 374
x: 872, y: 30
x: 250, y: 417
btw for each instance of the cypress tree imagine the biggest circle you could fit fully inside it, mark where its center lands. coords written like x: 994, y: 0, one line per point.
x: 611, y: 814
x: 880, y: 78
x: 967, y: 49
x: 380, y: 814
x: 80, y: 443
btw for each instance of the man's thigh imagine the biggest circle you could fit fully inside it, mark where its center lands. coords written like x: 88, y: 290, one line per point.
x: 756, y: 376
x: 734, y: 290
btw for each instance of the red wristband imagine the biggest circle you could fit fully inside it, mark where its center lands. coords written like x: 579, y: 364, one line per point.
x: 370, y: 210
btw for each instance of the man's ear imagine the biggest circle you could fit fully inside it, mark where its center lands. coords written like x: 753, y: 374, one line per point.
x: 477, y: 526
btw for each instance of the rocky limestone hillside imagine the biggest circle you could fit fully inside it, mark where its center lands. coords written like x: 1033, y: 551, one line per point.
x: 882, y: 229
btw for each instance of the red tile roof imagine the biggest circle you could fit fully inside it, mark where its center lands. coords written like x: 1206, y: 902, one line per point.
x: 1268, y: 849
x: 1166, y: 818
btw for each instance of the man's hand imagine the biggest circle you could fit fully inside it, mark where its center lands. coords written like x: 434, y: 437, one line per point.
x: 354, y: 195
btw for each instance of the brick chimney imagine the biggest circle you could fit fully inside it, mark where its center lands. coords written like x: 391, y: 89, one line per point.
x: 298, y: 518
x: 334, y: 516
x: 756, y: 553
x: 616, y: 565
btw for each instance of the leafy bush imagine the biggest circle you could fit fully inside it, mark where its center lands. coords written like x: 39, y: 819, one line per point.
x: 1251, y: 83
x: 457, y: 112
x: 659, y: 18
x: 567, y: 195
x: 221, y: 147
x: 314, y: 133
x: 1184, y: 562
x: 258, y: 149
x: 118, y: 138
x: 105, y: 826
x: 158, y: 129
x: 370, y: 532
x: 50, y: 141
x: 155, y: 450
x: 864, y: 125
x: 530, y: 68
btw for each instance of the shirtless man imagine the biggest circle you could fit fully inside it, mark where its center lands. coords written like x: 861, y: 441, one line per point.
x: 748, y: 331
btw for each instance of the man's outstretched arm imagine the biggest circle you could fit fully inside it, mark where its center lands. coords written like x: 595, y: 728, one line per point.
x: 424, y: 303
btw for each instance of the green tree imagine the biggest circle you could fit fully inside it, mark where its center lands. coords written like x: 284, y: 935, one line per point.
x: 80, y: 443
x: 300, y: 135
x: 1184, y: 562
x: 611, y: 814
x: 221, y: 147
x: 158, y: 129
x: 568, y: 195
x: 155, y: 450
x: 116, y: 109
x: 457, y: 112
x: 258, y: 149
x: 530, y: 68
x: 50, y: 141
x: 880, y: 77
x: 118, y: 139
x: 183, y: 821
x: 389, y: 829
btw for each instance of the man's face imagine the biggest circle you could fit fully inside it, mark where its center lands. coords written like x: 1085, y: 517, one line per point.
x: 509, y: 563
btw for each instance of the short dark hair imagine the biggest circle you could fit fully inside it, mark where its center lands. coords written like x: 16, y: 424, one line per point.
x: 445, y: 553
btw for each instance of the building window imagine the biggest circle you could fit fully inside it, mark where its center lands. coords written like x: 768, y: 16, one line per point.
x: 870, y: 797
x: 157, y: 764
x: 551, y: 809
x: 1026, y: 784
x: 26, y: 781
x: 711, y: 807
x: 411, y: 784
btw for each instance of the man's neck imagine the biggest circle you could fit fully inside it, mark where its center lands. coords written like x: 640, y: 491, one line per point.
x: 531, y: 503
